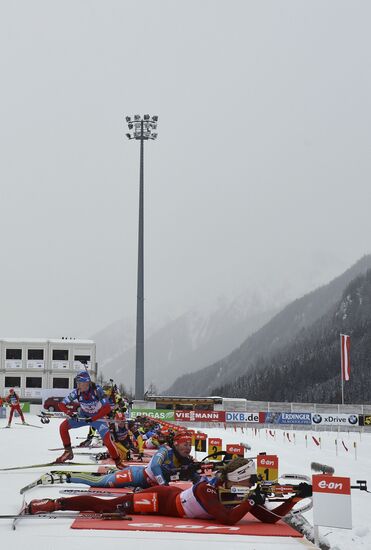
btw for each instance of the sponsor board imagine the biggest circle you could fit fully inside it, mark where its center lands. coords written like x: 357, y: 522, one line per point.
x: 246, y: 417
x: 332, y: 501
x: 267, y: 467
x: 215, y: 445
x: 200, y: 442
x: 200, y: 416
x: 367, y: 420
x: 335, y: 419
x: 160, y: 414
x: 235, y: 450
x: 288, y: 418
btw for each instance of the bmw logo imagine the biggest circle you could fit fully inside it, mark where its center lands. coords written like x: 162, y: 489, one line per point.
x: 353, y: 419
x: 317, y: 418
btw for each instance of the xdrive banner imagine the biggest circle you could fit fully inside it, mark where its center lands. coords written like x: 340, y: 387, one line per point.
x: 336, y: 419
x: 288, y: 418
x: 247, y: 417
x: 161, y: 414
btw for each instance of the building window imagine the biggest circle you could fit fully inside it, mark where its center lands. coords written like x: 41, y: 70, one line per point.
x: 83, y: 358
x: 33, y: 382
x: 60, y: 354
x: 35, y: 354
x: 12, y: 381
x: 14, y: 353
x: 60, y: 383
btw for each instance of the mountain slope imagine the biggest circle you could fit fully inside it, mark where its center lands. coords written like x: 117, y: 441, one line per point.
x: 275, y: 335
x: 308, y: 370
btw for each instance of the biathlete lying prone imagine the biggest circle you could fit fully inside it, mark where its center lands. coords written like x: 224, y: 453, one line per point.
x: 202, y: 500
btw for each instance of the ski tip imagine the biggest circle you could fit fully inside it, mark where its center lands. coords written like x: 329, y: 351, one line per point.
x: 322, y: 468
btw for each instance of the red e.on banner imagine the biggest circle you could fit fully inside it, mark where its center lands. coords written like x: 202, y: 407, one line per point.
x: 331, y: 484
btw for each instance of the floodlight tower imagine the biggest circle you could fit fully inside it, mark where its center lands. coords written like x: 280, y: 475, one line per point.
x: 142, y: 129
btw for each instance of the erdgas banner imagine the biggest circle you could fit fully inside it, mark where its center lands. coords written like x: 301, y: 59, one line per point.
x: 334, y: 419
x: 161, y: 414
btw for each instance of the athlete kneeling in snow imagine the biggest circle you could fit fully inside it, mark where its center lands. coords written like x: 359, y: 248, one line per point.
x: 94, y: 406
x: 202, y: 501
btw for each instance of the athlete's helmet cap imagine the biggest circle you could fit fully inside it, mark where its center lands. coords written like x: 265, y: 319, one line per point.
x: 182, y: 437
x: 11, y: 390
x: 83, y: 376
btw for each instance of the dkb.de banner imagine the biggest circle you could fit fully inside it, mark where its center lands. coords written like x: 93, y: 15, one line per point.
x: 288, y: 418
x: 246, y: 417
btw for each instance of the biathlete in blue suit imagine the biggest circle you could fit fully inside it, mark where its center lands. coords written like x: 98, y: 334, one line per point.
x: 157, y: 472
x: 94, y: 405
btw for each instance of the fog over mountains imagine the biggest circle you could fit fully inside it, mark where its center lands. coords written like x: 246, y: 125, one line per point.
x: 185, y: 344
x: 206, y: 334
x: 262, y: 347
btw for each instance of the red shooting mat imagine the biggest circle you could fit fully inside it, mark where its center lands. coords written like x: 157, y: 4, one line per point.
x: 247, y: 526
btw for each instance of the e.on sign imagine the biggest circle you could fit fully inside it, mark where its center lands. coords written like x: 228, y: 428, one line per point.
x: 267, y: 467
x: 332, y: 505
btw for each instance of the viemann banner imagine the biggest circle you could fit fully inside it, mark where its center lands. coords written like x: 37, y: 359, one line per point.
x: 288, y: 418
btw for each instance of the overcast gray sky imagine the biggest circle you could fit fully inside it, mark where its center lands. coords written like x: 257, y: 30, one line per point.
x: 261, y: 171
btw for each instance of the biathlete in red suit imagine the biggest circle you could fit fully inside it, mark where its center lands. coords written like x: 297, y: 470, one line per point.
x: 13, y: 400
x: 200, y: 501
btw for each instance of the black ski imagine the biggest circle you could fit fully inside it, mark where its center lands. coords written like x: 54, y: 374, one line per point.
x: 46, y: 464
x: 21, y: 513
x: 68, y: 515
x: 27, y: 424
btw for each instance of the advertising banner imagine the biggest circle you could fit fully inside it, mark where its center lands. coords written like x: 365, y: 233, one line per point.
x: 160, y: 414
x: 215, y: 445
x: 13, y: 364
x: 335, y: 419
x: 244, y: 417
x: 288, y: 418
x: 332, y: 501
x: 235, y: 450
x: 366, y: 420
x: 267, y: 467
x: 200, y: 442
x: 35, y: 364
x: 200, y: 416
x: 25, y: 407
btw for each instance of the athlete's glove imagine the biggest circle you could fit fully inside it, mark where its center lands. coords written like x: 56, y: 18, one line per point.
x: 74, y: 416
x: 256, y: 498
x: 88, y: 419
x: 304, y: 490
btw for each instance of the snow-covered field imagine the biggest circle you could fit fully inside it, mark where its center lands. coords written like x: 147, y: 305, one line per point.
x: 23, y: 445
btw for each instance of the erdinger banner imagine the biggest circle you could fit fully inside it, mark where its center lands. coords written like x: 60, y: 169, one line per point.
x: 288, y: 418
x: 335, y: 419
x: 246, y: 417
x: 200, y: 416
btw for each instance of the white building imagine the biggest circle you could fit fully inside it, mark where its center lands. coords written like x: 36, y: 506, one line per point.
x: 32, y: 364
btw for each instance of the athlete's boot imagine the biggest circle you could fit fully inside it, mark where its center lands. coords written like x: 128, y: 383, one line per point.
x: 44, y: 506
x: 67, y: 455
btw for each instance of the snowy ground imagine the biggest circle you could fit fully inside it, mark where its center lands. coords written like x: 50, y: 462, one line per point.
x: 25, y: 445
